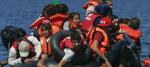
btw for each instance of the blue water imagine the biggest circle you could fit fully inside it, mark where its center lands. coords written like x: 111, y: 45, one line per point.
x: 22, y: 13
x: 136, y: 8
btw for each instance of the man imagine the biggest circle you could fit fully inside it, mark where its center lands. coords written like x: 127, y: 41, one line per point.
x: 72, y: 46
x: 24, y: 50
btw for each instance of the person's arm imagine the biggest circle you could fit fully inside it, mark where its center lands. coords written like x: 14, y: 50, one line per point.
x: 98, y: 37
x: 68, y: 55
x: 13, y: 60
x: 129, y: 40
x: 37, y: 45
x: 96, y: 50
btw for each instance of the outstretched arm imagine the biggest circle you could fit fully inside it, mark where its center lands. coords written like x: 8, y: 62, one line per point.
x: 68, y: 55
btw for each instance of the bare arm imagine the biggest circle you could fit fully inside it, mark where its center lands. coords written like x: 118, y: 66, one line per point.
x: 68, y: 55
x: 61, y: 63
x: 96, y: 50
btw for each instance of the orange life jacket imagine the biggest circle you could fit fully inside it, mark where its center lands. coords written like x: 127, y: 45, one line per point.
x: 147, y: 63
x: 134, y: 34
x: 104, y: 45
x: 56, y: 21
x: 45, y: 46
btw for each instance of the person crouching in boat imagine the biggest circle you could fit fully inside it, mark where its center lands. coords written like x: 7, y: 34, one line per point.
x: 25, y: 49
x: 72, y: 46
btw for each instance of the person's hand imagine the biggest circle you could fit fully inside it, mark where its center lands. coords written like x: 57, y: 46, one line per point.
x: 108, y: 63
x: 28, y: 60
x: 23, y: 59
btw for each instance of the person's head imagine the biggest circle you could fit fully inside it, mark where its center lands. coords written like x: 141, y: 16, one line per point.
x: 48, y: 10
x: 74, y: 18
x: 24, y: 49
x: 76, y: 40
x: 124, y: 21
x: 102, y: 9
x: 135, y: 23
x: 20, y: 33
x: 62, y: 9
x: 46, y: 29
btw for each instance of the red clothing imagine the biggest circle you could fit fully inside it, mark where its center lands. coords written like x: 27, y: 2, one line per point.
x: 66, y: 43
x: 98, y: 36
x: 15, y: 45
x: 102, y: 38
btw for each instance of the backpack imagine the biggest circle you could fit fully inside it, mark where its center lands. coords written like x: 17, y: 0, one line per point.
x: 11, y: 33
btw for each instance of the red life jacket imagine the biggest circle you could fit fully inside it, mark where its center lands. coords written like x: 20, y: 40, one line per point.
x: 133, y: 34
x: 87, y: 23
x: 16, y: 46
x: 38, y: 22
x: 66, y: 43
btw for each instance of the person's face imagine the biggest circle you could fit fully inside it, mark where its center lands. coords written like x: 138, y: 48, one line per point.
x: 46, y: 33
x: 77, y: 45
x: 76, y: 42
x: 76, y: 19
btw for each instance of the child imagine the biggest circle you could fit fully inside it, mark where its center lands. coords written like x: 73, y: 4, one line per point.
x: 72, y: 46
x: 45, y: 33
x: 72, y: 21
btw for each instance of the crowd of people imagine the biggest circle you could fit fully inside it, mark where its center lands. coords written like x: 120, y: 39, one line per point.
x: 113, y: 41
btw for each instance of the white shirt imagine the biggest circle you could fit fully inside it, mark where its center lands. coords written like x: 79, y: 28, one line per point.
x: 90, y: 9
x: 13, y: 60
x: 68, y: 54
x: 66, y: 25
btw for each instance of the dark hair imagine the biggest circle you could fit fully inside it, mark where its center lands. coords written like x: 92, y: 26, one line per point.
x: 48, y: 10
x: 135, y: 23
x: 72, y: 14
x: 75, y: 35
x: 102, y: 9
x: 124, y: 20
x: 46, y: 26
x: 61, y: 8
